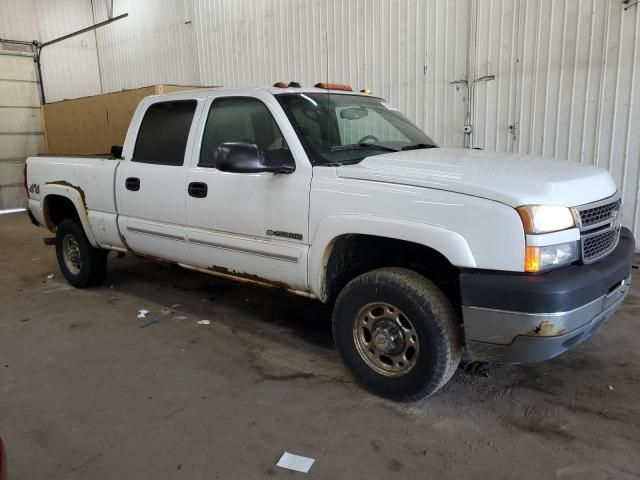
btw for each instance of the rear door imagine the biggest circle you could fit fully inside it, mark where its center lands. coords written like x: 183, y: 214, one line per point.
x: 151, y: 182
x: 252, y: 224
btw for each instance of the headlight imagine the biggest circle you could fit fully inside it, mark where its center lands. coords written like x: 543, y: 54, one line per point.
x: 545, y: 219
x: 538, y: 259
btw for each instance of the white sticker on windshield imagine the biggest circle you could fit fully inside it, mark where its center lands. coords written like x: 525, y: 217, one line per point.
x: 388, y: 106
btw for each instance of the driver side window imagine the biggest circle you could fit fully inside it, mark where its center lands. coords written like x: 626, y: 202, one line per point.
x: 239, y: 119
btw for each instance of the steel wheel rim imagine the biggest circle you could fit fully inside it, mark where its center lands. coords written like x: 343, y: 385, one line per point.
x: 71, y: 254
x: 386, y: 339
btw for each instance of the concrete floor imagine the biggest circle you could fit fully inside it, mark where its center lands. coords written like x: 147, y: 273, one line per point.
x: 86, y: 393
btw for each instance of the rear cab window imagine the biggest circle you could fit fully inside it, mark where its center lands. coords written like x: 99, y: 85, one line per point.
x: 163, y: 133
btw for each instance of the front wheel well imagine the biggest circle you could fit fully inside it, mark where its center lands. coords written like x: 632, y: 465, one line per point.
x: 58, y: 208
x: 354, y: 254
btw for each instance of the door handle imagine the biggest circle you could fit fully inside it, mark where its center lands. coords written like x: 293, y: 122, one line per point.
x: 198, y: 189
x: 132, y: 183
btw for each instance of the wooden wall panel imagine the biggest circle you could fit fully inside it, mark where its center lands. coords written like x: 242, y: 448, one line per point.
x: 91, y: 125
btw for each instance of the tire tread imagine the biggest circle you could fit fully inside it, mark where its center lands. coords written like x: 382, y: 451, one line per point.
x: 431, y: 298
x: 95, y: 258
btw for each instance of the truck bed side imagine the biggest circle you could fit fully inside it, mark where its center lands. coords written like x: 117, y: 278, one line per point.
x: 87, y: 182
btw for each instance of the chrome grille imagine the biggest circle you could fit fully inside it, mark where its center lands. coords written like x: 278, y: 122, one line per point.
x: 598, y: 244
x: 599, y: 228
x: 599, y: 214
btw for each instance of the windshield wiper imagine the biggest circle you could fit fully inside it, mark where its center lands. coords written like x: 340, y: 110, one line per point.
x: 417, y: 146
x: 342, y: 163
x: 353, y: 146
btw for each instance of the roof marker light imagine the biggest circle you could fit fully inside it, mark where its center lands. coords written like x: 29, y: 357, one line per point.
x: 334, y: 86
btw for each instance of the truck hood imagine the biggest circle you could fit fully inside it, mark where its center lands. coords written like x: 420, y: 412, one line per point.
x: 504, y: 177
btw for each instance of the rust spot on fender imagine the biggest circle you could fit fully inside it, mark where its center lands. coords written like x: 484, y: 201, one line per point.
x: 64, y: 183
x: 546, y: 328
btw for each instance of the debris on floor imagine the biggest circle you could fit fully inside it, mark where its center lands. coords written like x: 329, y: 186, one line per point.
x: 176, y: 305
x: 204, y: 322
x: 611, y: 387
x: 142, y: 313
x: 295, y: 462
x: 473, y: 367
x: 179, y: 317
x: 50, y: 276
x: 57, y: 289
x: 151, y: 322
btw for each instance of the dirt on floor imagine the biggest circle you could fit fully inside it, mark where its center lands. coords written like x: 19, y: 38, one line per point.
x: 90, y: 391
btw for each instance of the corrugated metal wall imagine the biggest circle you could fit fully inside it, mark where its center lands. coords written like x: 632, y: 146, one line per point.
x: 565, y: 86
x: 406, y: 51
x: 70, y: 68
x: 153, y: 45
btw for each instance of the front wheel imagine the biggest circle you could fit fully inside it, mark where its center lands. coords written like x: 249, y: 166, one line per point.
x: 81, y: 264
x: 397, y: 333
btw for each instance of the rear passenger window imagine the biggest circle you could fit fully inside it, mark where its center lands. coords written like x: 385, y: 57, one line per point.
x: 163, y: 133
x: 239, y: 119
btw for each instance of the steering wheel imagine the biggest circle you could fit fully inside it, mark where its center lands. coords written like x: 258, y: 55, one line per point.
x: 368, y: 138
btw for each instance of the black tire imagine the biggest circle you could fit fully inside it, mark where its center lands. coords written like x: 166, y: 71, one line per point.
x: 432, y: 320
x: 91, y: 265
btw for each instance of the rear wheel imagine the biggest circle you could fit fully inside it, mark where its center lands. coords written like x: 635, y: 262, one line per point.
x: 81, y: 264
x: 397, y: 333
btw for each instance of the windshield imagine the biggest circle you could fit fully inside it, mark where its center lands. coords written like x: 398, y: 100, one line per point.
x: 336, y: 129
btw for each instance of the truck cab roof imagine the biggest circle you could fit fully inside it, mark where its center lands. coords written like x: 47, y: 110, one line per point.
x: 248, y: 91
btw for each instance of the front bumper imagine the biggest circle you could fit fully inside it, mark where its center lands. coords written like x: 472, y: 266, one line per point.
x: 516, y: 318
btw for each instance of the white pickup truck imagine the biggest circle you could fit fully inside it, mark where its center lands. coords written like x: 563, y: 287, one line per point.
x: 424, y: 251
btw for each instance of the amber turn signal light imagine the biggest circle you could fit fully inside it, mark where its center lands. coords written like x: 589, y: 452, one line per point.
x: 532, y: 259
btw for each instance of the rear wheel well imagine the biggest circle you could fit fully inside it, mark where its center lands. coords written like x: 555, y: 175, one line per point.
x: 354, y: 254
x: 58, y: 208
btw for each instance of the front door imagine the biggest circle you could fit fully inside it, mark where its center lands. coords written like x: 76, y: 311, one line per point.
x: 254, y: 224
x: 151, y: 185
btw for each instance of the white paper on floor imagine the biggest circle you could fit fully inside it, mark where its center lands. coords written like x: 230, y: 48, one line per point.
x: 295, y: 462
x: 204, y: 322
x: 142, y: 313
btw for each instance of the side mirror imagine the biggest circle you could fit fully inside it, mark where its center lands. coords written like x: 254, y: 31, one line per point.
x: 116, y: 151
x: 246, y: 158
